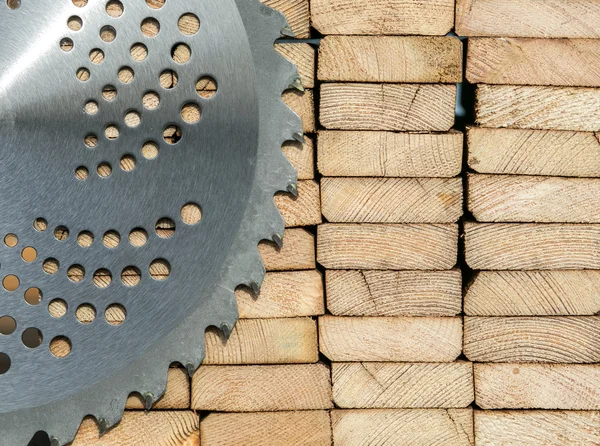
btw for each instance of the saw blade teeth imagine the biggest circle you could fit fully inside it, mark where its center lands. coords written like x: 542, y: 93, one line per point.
x: 226, y: 330
x: 191, y: 368
x: 148, y: 400
x: 299, y: 136
x: 296, y: 83
x: 286, y: 31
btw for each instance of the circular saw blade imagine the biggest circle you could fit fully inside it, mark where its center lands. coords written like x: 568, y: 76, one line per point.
x: 141, y: 148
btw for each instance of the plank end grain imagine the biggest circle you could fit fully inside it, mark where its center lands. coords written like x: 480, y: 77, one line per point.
x: 401, y: 339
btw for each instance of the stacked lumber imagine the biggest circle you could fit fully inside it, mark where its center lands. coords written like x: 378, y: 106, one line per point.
x: 531, y: 321
x: 391, y: 199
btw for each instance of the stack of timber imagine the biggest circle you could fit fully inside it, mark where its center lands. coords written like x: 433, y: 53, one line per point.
x: 265, y: 385
x: 531, y: 310
x: 391, y: 198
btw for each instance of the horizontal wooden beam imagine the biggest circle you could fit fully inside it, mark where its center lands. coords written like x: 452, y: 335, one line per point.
x: 537, y: 386
x: 394, y: 293
x: 382, y: 16
x: 401, y: 339
x: 535, y: 107
x: 567, y: 339
x: 392, y: 200
x: 534, y: 152
x: 533, y: 293
x: 409, y: 426
x: 389, y: 154
x: 403, y: 107
x: 515, y: 61
x: 262, y: 388
x: 390, y: 59
x: 408, y: 247
x: 376, y: 385
x: 308, y: 427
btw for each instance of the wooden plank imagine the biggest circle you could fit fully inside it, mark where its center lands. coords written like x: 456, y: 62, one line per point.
x: 515, y: 61
x: 390, y: 59
x: 434, y: 17
x: 412, y: 107
x: 298, y: 251
x: 394, y: 293
x: 297, y: 14
x: 177, y: 395
x: 303, y: 210
x: 264, y: 341
x: 506, y: 198
x: 303, y: 56
x: 533, y: 293
x: 534, y: 152
x: 308, y: 428
x: 410, y: 427
x: 402, y: 339
x: 419, y: 247
x: 530, y: 246
x: 389, y: 154
x: 536, y: 18
x: 303, y: 104
x: 262, y: 388
x: 177, y: 428
x: 566, y: 339
x: 392, y: 200
x: 285, y: 294
x: 302, y: 157
x: 536, y: 427
x: 537, y: 386
x: 373, y: 385
x: 536, y: 107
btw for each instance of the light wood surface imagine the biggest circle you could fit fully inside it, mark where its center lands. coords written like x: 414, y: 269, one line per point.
x: 401, y: 339
x: 298, y: 251
x: 530, y: 246
x: 361, y: 246
x: 537, y: 107
x: 394, y: 293
x: 303, y: 56
x: 297, y: 14
x: 177, y: 395
x: 264, y: 341
x: 160, y: 428
x: 412, y: 427
x: 372, y: 385
x: 410, y: 107
x: 536, y: 427
x: 306, y: 428
x: 537, y: 386
x: 303, y: 103
x: 512, y: 198
x: 533, y: 293
x: 302, y: 157
x: 390, y: 59
x: 284, y: 294
x: 389, y: 154
x: 382, y: 17
x: 566, y: 339
x: 534, y: 152
x: 303, y: 210
x: 392, y: 200
x: 516, y: 61
x: 262, y: 388
x: 536, y: 18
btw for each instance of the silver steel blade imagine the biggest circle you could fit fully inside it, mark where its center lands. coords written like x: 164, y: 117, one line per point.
x: 229, y: 163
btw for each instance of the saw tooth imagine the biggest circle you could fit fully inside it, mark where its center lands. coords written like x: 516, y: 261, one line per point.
x: 299, y: 136
x: 255, y: 288
x: 296, y: 83
x: 148, y: 400
x: 226, y: 329
x: 103, y: 426
x: 286, y: 31
x: 191, y: 369
x: 293, y: 189
x: 54, y: 441
x: 278, y: 239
